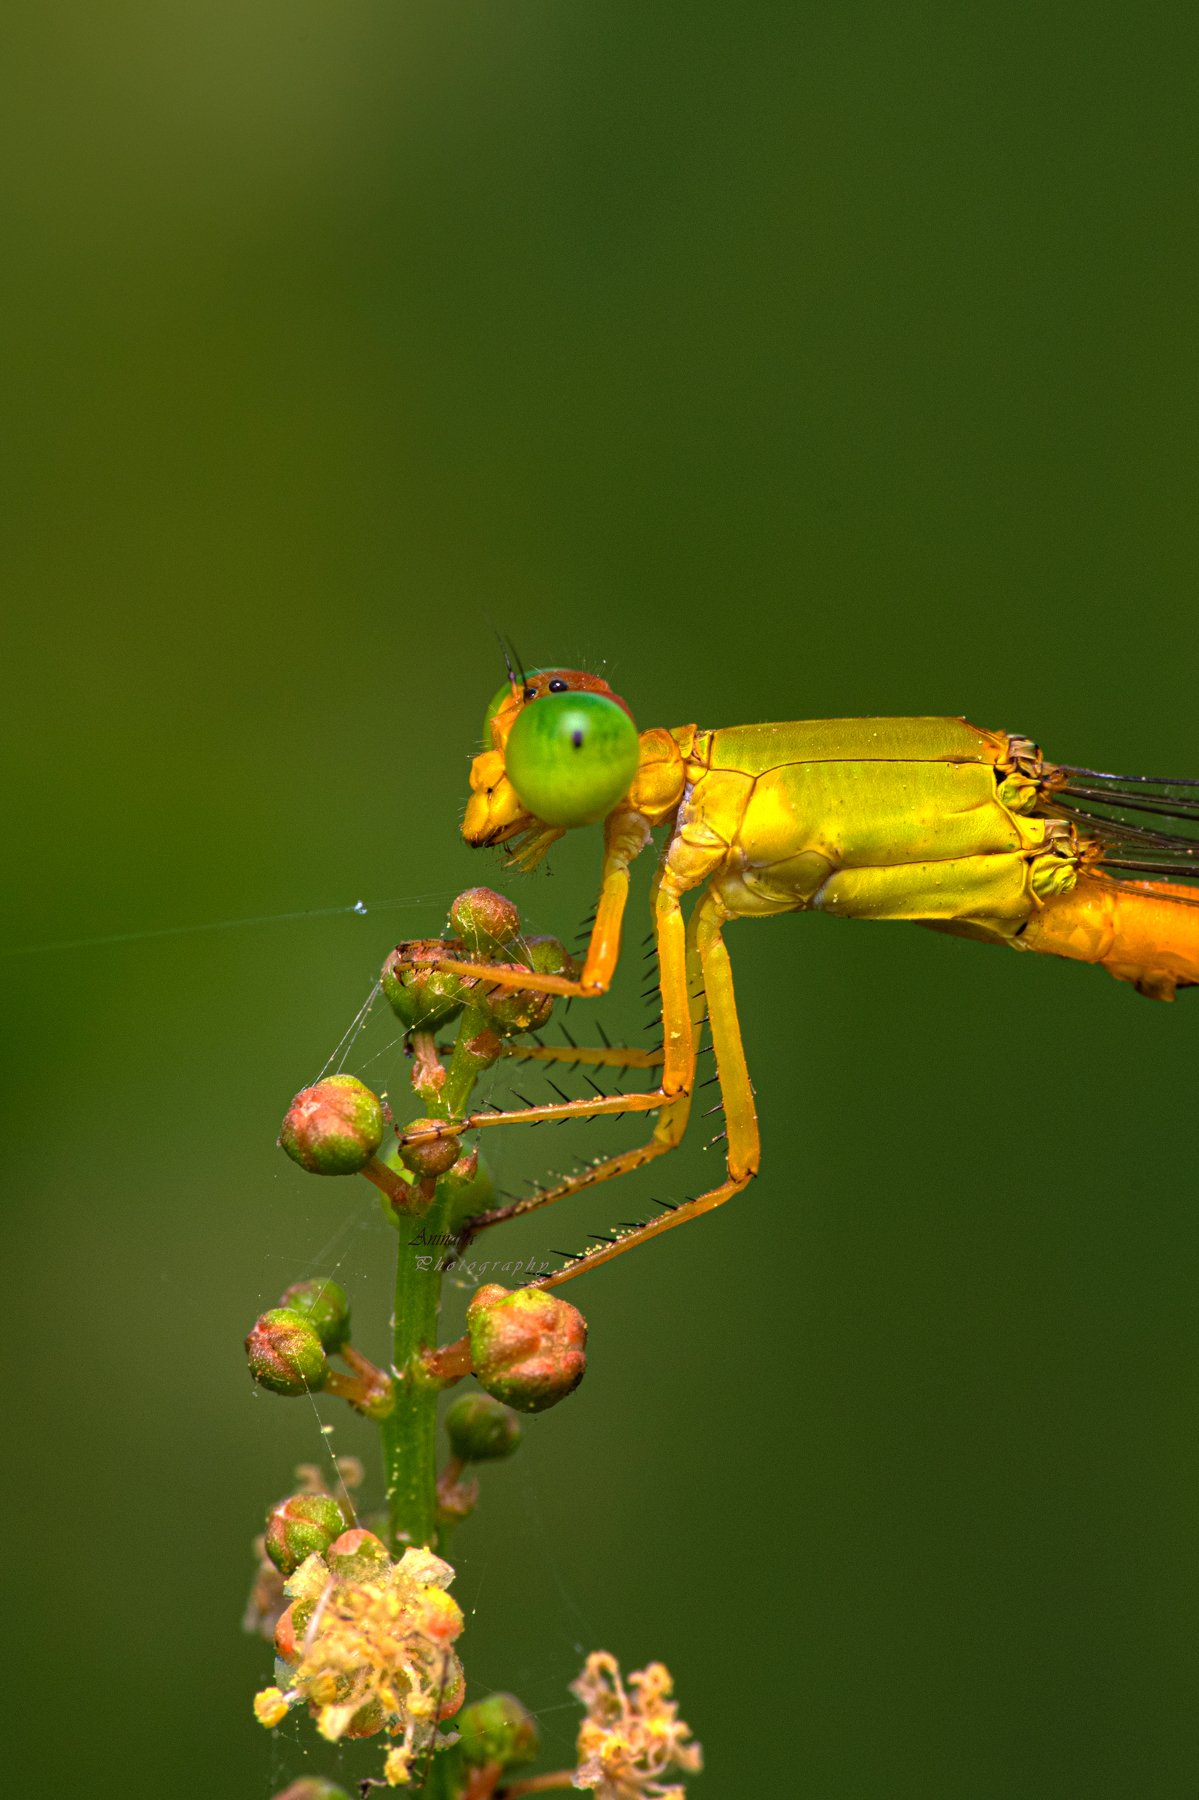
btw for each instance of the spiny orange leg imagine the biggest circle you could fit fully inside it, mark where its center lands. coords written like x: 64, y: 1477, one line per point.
x: 611, y: 1056
x: 736, y: 1091
x: 672, y: 1122
x: 607, y: 1106
x: 625, y: 835
x: 668, y: 1132
x: 677, y: 1054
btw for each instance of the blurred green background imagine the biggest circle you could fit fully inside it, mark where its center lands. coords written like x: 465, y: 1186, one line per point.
x: 778, y: 361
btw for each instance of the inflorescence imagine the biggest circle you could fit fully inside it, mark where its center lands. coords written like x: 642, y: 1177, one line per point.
x: 364, y: 1625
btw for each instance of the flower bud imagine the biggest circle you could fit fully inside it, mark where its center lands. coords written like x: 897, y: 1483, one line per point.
x: 456, y: 1497
x: 481, y: 1429
x: 513, y: 1010
x: 422, y: 996
x: 485, y: 921
x: 285, y: 1353
x: 356, y: 1555
x: 498, y: 1730
x: 300, y: 1526
x: 521, y: 1009
x: 290, y: 1627
x: 527, y: 1347
x: 430, y: 1155
x: 325, y: 1305
x: 549, y: 956
x: 335, y: 1127
x: 467, y: 1189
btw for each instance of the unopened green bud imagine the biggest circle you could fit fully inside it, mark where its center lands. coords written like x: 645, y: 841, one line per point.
x: 481, y: 1429
x: 522, y: 1009
x: 422, y: 996
x: 335, y: 1127
x: 433, y: 1154
x: 356, y: 1555
x: 326, y: 1307
x: 527, y: 1348
x: 301, y: 1526
x: 549, y: 956
x: 513, y: 1010
x: 498, y: 1730
x: 485, y: 921
x: 467, y: 1189
x: 285, y: 1353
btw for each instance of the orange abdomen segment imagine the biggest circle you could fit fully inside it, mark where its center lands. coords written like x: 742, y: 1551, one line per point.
x: 1145, y: 932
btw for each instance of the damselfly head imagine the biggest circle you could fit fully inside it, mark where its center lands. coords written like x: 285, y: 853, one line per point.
x: 560, y: 750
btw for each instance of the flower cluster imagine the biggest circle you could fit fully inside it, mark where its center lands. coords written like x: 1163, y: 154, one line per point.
x: 627, y: 1743
x: 364, y: 1628
x: 367, y: 1645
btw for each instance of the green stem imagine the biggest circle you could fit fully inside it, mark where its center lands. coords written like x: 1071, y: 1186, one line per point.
x: 409, y: 1432
x: 467, y: 1064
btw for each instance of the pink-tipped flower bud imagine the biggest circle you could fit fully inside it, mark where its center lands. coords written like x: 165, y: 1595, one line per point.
x: 433, y: 1154
x: 301, y: 1526
x: 521, y: 1009
x: 457, y: 1495
x: 335, y: 1127
x: 356, y: 1555
x: 527, y: 1348
x: 481, y: 1429
x: 498, y: 1730
x: 285, y: 1353
x: 326, y: 1307
x: 290, y: 1627
x: 422, y: 996
x: 485, y: 921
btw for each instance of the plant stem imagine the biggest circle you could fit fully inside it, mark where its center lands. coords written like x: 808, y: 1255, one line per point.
x: 409, y: 1432
x: 476, y: 1049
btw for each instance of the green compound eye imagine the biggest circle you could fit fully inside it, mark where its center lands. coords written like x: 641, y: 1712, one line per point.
x: 570, y: 757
